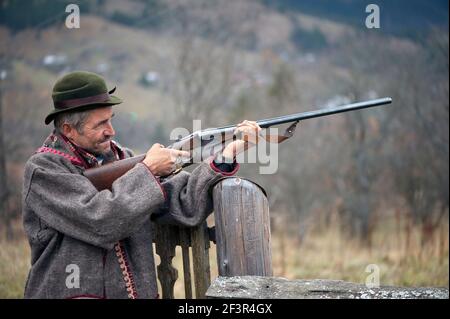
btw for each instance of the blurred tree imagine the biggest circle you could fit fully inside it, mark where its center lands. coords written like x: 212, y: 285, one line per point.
x: 308, y: 40
x: 283, y: 92
x: 201, y: 83
x: 4, y: 192
x: 421, y: 171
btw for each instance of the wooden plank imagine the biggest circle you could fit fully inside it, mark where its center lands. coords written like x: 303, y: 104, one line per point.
x: 185, y: 243
x: 200, y: 256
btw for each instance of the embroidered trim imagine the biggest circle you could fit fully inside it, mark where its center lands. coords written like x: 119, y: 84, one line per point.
x: 73, y: 150
x: 216, y: 169
x: 126, y: 272
x: 73, y: 159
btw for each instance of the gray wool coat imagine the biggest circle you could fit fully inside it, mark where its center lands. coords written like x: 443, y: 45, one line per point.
x: 91, y: 244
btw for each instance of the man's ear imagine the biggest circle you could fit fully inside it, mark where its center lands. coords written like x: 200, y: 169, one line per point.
x: 68, y: 130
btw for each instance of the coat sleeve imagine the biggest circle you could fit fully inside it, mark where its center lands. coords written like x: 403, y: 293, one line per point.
x: 69, y: 203
x: 188, y: 195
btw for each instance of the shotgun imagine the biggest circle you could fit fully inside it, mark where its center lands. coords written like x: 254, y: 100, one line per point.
x: 211, y: 140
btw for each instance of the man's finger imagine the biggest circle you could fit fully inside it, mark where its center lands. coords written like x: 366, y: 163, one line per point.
x: 251, y: 129
x: 185, y: 154
x: 181, y: 153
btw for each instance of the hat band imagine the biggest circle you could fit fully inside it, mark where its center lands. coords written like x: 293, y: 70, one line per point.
x: 84, y: 100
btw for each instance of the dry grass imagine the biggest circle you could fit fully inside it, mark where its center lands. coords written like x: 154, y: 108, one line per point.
x: 14, y: 265
x: 322, y: 254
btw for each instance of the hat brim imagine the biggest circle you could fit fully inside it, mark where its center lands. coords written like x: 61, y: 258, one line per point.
x: 113, y: 100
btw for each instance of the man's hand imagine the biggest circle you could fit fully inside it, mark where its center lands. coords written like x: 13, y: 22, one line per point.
x: 161, y: 161
x: 249, y: 131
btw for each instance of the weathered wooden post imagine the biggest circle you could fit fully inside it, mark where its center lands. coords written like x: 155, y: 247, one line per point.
x: 242, y: 224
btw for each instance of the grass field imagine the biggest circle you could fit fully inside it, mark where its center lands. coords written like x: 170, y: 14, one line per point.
x: 325, y: 254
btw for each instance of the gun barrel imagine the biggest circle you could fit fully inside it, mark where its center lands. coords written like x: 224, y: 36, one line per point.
x: 323, y: 112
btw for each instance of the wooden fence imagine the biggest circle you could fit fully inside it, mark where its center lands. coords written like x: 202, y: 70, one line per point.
x: 241, y: 233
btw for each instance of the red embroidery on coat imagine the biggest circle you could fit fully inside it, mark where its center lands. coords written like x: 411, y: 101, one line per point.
x: 126, y: 272
x: 73, y: 159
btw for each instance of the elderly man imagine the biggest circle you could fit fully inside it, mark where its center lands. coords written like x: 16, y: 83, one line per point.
x: 87, y: 243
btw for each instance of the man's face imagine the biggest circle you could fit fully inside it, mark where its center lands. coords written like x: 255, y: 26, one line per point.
x: 97, y: 131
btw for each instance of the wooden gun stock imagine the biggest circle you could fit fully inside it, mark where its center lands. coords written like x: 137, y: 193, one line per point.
x: 104, y: 176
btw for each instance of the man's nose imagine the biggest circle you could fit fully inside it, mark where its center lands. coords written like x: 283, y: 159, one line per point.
x: 109, y: 130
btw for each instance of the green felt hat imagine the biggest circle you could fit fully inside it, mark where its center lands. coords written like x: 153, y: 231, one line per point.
x: 80, y: 91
